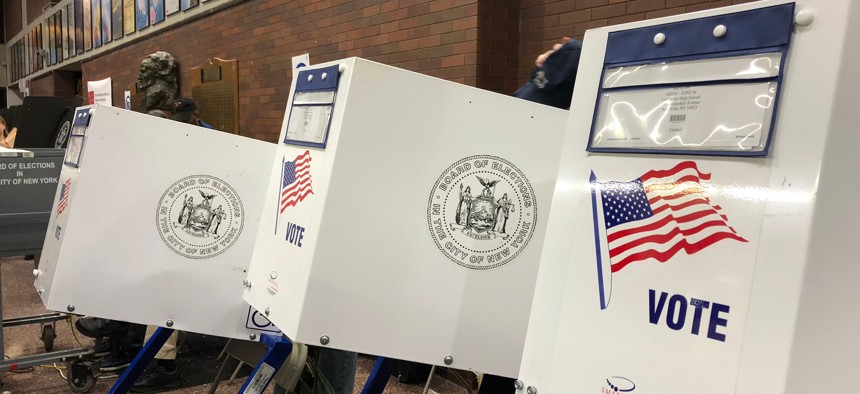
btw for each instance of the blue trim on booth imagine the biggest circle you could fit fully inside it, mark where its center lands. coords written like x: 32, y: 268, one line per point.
x: 629, y: 49
x: 144, y: 356
x: 760, y: 28
x: 378, y: 379
x: 317, y: 83
x: 279, y: 350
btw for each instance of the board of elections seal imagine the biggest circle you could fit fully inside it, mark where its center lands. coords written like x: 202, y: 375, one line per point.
x: 482, y: 212
x: 200, y: 216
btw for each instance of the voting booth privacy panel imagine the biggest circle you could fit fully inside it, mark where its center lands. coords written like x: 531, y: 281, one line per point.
x: 154, y: 222
x: 703, y: 234
x: 404, y: 216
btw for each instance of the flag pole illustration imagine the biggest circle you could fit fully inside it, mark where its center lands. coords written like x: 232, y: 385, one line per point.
x: 653, y: 218
x: 295, y: 183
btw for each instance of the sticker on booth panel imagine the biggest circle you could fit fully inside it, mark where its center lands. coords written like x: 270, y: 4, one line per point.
x: 64, y: 196
x: 482, y: 212
x: 295, y: 187
x: 652, y: 218
x: 200, y: 216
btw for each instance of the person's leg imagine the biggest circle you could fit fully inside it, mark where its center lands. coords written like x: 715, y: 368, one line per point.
x: 338, y: 367
x: 165, y: 374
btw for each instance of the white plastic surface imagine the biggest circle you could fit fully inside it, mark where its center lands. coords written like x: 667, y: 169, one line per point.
x: 787, y: 285
x: 357, y: 260
x: 108, y: 252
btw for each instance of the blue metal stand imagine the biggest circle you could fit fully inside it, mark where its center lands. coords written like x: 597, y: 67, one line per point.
x: 379, y: 376
x: 144, y: 356
x: 279, y: 349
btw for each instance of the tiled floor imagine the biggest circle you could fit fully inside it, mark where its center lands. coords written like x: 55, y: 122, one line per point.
x: 20, y: 299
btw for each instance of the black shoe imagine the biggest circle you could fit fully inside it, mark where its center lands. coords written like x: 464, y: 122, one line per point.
x: 116, y: 361
x: 102, y: 347
x: 158, y: 379
x: 96, y: 327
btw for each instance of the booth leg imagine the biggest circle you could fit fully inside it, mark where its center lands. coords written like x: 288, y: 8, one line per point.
x: 279, y: 349
x: 379, y: 376
x: 144, y: 356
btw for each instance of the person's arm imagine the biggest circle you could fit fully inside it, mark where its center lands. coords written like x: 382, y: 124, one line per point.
x: 542, y: 57
x: 9, y: 141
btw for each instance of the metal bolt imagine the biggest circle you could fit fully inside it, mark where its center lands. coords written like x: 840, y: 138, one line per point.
x: 449, y: 360
x: 70, y: 308
x: 252, y: 336
x: 324, y: 76
x: 325, y: 340
x: 531, y: 390
x: 659, y: 39
x: 35, y: 273
x: 273, y: 275
x: 169, y: 323
x: 518, y: 384
x: 266, y: 312
x: 310, y: 78
x: 41, y: 291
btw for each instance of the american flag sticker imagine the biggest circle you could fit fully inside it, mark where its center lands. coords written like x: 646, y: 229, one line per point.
x: 295, y: 183
x: 64, y: 196
x: 653, y: 218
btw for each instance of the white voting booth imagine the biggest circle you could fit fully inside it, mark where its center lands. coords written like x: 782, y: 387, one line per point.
x: 703, y: 234
x: 404, y: 216
x: 154, y: 222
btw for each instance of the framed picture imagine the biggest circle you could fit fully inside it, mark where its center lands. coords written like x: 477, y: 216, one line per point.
x: 96, y: 8
x: 156, y: 11
x: 79, y: 26
x: 116, y: 19
x: 69, y: 30
x: 141, y: 19
x: 52, y: 35
x: 106, y: 21
x: 188, y: 4
x: 128, y: 16
x: 171, y: 7
x: 58, y: 35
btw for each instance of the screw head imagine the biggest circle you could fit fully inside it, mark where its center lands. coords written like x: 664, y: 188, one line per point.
x: 310, y: 78
x: 266, y: 312
x: 448, y: 360
x: 659, y: 39
x: 325, y: 340
x: 41, y: 291
x: 36, y: 273
x: 518, y: 384
x: 252, y: 336
x: 70, y: 308
x: 169, y: 323
x: 273, y: 275
x: 720, y: 31
x: 804, y: 18
x: 531, y: 390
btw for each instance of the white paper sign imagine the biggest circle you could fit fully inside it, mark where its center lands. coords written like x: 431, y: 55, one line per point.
x: 301, y: 61
x: 99, y: 92
x: 714, y: 117
x: 308, y: 123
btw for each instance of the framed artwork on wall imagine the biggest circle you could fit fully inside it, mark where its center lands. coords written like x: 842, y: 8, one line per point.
x: 188, y: 4
x: 156, y: 11
x: 141, y: 17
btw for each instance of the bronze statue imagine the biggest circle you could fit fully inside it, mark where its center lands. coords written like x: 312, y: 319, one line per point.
x: 159, y: 80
